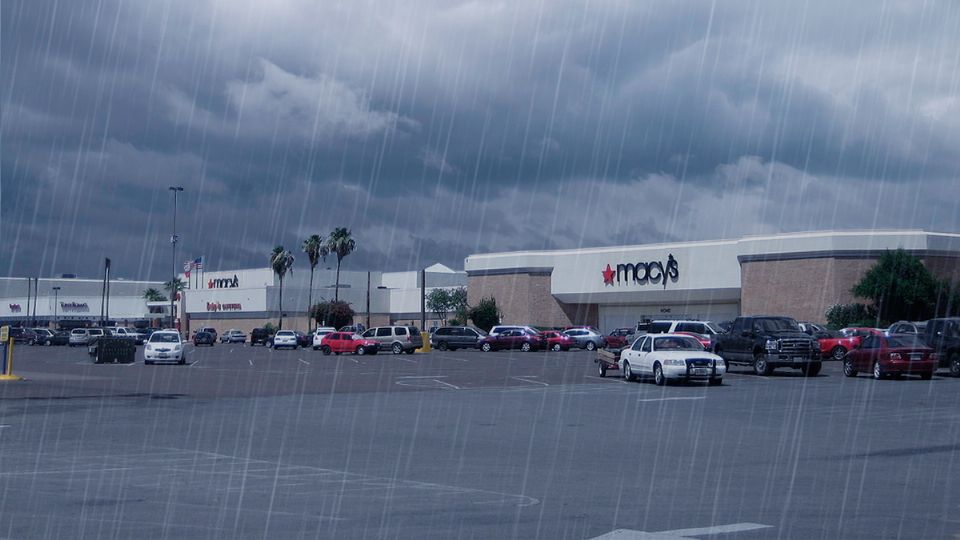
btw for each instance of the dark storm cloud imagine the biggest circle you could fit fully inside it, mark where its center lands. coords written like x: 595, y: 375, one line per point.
x: 435, y: 129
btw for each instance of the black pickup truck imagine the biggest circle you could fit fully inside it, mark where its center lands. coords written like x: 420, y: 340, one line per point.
x: 943, y: 335
x: 769, y: 342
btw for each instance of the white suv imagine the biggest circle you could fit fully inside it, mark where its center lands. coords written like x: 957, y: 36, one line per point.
x: 704, y: 328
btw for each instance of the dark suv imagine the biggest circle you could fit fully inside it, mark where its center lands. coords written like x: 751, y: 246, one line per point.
x: 943, y: 336
x: 23, y: 335
x: 456, y: 337
x: 769, y: 342
x: 260, y: 336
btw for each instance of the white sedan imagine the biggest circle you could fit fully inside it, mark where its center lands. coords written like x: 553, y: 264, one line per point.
x: 667, y: 357
x: 164, y: 346
x: 318, y: 335
x: 285, y: 338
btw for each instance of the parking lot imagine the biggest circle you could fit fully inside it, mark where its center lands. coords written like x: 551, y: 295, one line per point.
x: 248, y: 442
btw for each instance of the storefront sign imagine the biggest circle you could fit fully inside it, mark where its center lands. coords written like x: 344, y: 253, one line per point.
x: 15, y: 308
x: 225, y: 283
x: 642, y: 273
x: 217, y: 306
x: 74, y: 306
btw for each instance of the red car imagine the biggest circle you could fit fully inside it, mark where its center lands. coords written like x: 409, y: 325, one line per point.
x: 558, y: 341
x: 620, y: 338
x: 849, y: 338
x: 513, y: 339
x: 345, y: 342
x: 702, y: 338
x: 891, y: 354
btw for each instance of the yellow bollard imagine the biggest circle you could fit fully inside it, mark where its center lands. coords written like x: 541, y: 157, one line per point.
x: 425, y: 336
x: 7, y: 373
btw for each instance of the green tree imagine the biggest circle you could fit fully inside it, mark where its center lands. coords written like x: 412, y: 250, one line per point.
x: 342, y: 243
x: 485, y: 315
x: 316, y: 250
x: 336, y: 313
x: 458, y: 305
x: 177, y: 286
x: 846, y: 315
x: 438, y: 301
x: 153, y: 295
x: 900, y: 287
x: 281, y: 261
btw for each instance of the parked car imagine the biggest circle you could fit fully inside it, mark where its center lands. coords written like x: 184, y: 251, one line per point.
x: 943, y: 336
x: 23, y: 335
x: 891, y: 355
x: 398, y: 339
x: 705, y: 328
x: 203, y: 338
x: 79, y: 337
x: 44, y: 336
x: 354, y: 329
x: 345, y: 342
x: 233, y: 336
x: 303, y: 340
x: 503, y: 328
x: 620, y: 338
x: 121, y: 331
x: 210, y: 330
x: 260, y: 336
x: 846, y: 340
x: 815, y: 330
x: 456, y: 337
x: 164, y: 346
x: 768, y: 342
x: 58, y: 337
x: 586, y: 338
x: 907, y: 327
x: 285, y: 338
x: 318, y: 335
x: 671, y: 357
x: 703, y: 339
x: 558, y: 341
x: 524, y: 340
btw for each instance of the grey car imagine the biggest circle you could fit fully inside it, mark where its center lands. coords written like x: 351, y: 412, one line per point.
x: 398, y: 339
x: 587, y: 338
x: 233, y: 336
x: 456, y: 337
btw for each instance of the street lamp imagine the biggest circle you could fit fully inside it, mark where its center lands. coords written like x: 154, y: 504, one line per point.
x: 56, y: 296
x: 173, y: 254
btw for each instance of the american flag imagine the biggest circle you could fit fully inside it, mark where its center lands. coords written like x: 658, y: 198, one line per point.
x: 198, y: 263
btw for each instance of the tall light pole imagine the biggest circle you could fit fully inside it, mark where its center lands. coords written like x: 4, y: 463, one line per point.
x: 173, y: 254
x: 56, y: 296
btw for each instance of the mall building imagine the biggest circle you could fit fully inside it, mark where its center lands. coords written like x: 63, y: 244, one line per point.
x: 241, y: 299
x: 799, y: 275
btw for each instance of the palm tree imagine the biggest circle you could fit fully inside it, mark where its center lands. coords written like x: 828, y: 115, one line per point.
x: 282, y: 262
x: 342, y: 243
x: 315, y: 250
x: 178, y: 286
x: 153, y: 295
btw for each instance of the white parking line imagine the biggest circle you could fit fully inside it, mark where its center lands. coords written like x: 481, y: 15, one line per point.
x: 678, y: 534
x: 302, y: 361
x: 251, y: 361
x: 674, y: 399
x: 527, y: 379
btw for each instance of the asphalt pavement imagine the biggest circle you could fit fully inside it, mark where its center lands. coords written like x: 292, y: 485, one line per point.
x: 251, y: 443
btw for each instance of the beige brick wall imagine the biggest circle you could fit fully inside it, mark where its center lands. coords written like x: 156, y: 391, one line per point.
x: 947, y: 268
x: 526, y: 299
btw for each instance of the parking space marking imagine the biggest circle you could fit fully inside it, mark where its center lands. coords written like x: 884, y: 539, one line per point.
x: 302, y: 361
x: 251, y: 361
x: 678, y: 534
x: 527, y: 379
x: 679, y: 398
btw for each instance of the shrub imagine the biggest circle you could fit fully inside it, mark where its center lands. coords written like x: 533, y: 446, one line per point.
x: 844, y: 315
x: 485, y: 315
x: 336, y: 313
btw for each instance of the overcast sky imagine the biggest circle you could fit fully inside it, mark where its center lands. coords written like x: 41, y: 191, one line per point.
x: 435, y: 129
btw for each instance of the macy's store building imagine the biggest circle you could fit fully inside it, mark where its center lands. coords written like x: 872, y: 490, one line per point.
x: 798, y: 275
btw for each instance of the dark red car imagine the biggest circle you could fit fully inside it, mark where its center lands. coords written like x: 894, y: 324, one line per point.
x: 620, y: 338
x: 702, y: 338
x: 558, y: 341
x: 513, y: 339
x: 891, y: 355
x: 345, y: 342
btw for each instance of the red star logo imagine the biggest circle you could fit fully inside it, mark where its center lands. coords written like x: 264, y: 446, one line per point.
x: 608, y: 276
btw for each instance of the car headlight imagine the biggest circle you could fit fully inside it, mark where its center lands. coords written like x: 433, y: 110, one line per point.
x: 176, y: 347
x: 773, y: 344
x: 149, y: 347
x: 675, y: 362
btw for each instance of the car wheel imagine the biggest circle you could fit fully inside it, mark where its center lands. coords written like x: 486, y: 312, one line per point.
x: 602, y: 368
x: 760, y: 366
x: 717, y: 381
x: 525, y: 347
x: 848, y: 369
x: 812, y: 369
x: 183, y: 360
x: 926, y: 376
x: 627, y: 372
x: 658, y: 378
x: 556, y: 347
x: 591, y: 346
x: 148, y: 362
x: 316, y: 348
x: 838, y: 353
x: 397, y: 348
x: 326, y: 350
x: 361, y: 350
x: 877, y: 370
x: 955, y: 364
x: 486, y: 347
x: 442, y: 346
x: 33, y: 342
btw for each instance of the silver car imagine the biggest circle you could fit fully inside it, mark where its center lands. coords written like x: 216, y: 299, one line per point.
x: 233, y: 336
x: 398, y: 339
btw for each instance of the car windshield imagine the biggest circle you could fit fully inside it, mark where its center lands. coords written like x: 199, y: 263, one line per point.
x: 285, y: 333
x: 677, y: 343
x: 905, y: 341
x: 776, y: 325
x: 164, y: 337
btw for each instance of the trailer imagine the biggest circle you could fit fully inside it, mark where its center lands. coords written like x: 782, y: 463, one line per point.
x: 607, y: 359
